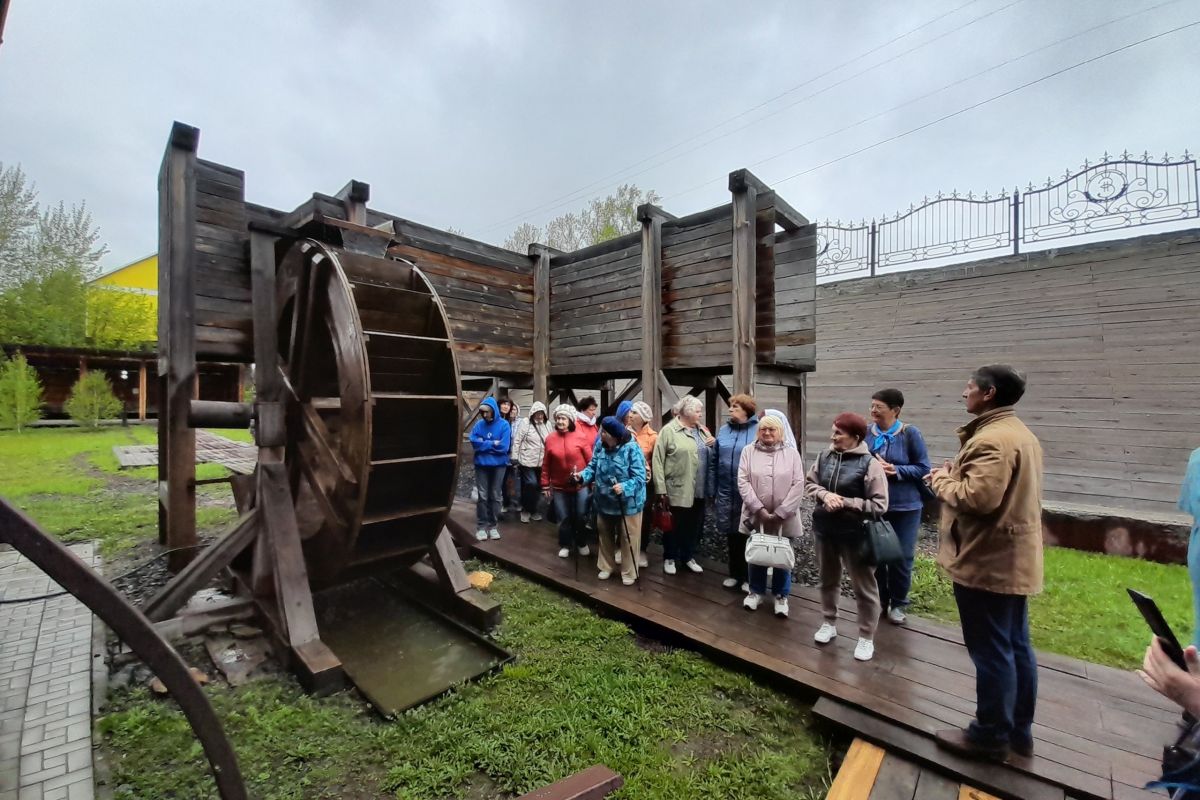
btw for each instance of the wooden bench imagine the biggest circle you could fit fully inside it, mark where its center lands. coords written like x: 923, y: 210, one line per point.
x: 593, y: 783
x: 871, y: 773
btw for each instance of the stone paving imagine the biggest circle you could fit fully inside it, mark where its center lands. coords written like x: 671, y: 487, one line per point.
x: 45, y: 686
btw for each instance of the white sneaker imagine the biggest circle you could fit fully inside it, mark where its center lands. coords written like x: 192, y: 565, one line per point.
x: 585, y: 551
x: 693, y: 566
x: 864, y: 650
x: 494, y: 533
x: 826, y: 633
x: 643, y: 562
x: 669, y: 567
x: 751, y: 601
x: 745, y: 586
x: 617, y: 558
x: 896, y: 616
x: 564, y: 553
x: 604, y: 575
x: 525, y: 516
x: 536, y: 517
x: 628, y: 581
x: 481, y: 535
x: 729, y: 583
x: 781, y: 609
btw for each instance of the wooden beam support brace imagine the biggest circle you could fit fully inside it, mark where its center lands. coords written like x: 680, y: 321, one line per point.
x: 541, y: 320
x: 201, y: 570
x: 292, y: 592
x: 744, y: 278
x: 652, y: 218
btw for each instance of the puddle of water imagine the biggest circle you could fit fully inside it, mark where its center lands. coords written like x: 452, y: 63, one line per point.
x: 398, y: 653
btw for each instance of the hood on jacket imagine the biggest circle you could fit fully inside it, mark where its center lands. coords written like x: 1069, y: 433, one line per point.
x: 537, y: 406
x: 859, y: 449
x: 491, y: 403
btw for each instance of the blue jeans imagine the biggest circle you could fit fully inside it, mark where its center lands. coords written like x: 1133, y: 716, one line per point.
x: 531, y: 489
x: 895, y: 579
x: 781, y: 580
x: 996, y: 632
x: 487, y: 508
x: 571, y: 508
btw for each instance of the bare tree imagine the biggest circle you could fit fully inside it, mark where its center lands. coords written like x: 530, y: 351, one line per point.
x: 603, y: 219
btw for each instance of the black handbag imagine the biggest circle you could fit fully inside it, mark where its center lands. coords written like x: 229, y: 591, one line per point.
x: 880, y: 544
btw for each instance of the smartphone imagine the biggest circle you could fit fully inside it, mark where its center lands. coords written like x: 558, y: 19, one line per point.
x: 1159, y: 626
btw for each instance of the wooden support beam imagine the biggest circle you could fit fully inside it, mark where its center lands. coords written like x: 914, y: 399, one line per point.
x: 652, y: 218
x: 668, y: 393
x: 723, y: 390
x: 541, y: 320
x: 788, y: 218
x: 143, y: 385
x: 710, y: 409
x: 177, y: 343
x: 291, y: 575
x: 201, y: 570
x: 744, y: 278
x: 354, y: 196
x: 632, y: 388
x: 606, y: 397
x: 797, y: 405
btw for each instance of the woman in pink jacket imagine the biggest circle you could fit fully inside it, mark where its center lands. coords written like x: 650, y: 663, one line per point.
x: 771, y: 482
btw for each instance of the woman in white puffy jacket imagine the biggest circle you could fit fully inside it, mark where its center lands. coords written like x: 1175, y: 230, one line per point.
x: 528, y: 450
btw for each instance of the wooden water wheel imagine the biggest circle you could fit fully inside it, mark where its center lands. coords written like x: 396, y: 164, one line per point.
x: 371, y: 389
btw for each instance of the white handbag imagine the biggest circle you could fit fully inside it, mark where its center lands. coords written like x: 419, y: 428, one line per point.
x: 765, y: 550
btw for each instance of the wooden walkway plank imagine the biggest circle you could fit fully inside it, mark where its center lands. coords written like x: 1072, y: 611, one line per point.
x: 1098, y: 732
x: 857, y: 775
x: 897, y: 779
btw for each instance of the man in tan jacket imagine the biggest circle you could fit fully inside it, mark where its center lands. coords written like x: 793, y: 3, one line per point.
x: 991, y: 546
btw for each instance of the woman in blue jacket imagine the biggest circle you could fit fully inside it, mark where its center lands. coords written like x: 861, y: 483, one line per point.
x: 734, y: 436
x: 900, y: 450
x: 618, y: 473
x: 491, y: 438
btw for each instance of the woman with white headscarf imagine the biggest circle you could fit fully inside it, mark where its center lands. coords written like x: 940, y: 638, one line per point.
x: 639, y: 420
x: 789, y: 438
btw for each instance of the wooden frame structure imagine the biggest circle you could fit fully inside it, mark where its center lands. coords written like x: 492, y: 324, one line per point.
x: 685, y: 301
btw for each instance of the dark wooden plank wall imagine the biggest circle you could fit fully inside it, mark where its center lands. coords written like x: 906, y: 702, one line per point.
x: 795, y: 294
x: 1108, y: 333
x: 489, y: 305
x: 223, y: 313
x: 595, y: 307
x: 697, y: 293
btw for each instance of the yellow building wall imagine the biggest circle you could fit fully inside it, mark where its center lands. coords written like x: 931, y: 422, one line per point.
x: 123, y: 306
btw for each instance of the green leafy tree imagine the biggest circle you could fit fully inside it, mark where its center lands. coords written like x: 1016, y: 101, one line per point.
x: 121, y: 319
x: 603, y: 219
x: 20, y: 394
x: 47, y: 257
x: 92, y: 400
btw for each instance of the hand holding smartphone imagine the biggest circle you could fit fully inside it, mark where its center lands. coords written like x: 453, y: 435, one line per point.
x: 1160, y: 628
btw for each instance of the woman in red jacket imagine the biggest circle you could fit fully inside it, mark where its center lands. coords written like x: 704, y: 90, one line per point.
x: 567, y: 454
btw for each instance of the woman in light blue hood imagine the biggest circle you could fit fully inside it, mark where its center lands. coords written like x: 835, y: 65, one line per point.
x: 491, y: 437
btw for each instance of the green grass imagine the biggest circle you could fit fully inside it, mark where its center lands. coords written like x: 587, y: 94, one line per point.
x: 68, y: 481
x: 581, y: 692
x: 1084, y: 611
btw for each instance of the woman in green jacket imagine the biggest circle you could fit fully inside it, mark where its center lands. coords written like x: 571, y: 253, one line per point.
x: 684, y: 475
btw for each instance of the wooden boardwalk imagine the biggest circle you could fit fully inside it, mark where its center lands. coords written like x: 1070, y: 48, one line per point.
x: 1099, y: 731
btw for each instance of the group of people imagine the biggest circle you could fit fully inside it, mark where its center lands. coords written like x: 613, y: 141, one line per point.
x: 619, y: 471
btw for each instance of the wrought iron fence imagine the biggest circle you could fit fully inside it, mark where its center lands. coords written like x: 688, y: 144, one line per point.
x: 1117, y: 192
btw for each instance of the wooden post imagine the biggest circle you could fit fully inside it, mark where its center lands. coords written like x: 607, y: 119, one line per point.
x: 269, y: 432
x: 541, y: 321
x: 745, y: 188
x: 177, y: 343
x: 710, y: 410
x: 354, y: 196
x: 652, y: 218
x: 797, y: 405
x: 606, y: 398
x: 241, y: 383
x: 142, y: 384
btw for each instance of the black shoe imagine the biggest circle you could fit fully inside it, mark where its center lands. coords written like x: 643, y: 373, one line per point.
x: 957, y: 742
x: 1021, y: 747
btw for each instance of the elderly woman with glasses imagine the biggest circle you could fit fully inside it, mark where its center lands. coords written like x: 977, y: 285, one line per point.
x: 684, y: 477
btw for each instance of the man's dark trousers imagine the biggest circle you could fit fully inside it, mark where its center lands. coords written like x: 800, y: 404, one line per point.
x: 996, y: 631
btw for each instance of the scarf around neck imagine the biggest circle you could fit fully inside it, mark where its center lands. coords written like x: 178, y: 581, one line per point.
x: 884, y: 438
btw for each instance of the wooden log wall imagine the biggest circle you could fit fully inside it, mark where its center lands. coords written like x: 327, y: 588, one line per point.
x: 697, y: 290
x: 1108, y: 334
x: 794, y: 295
x: 223, y: 309
x: 595, y: 307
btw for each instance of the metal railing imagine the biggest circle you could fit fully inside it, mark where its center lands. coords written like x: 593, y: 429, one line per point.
x: 1117, y: 192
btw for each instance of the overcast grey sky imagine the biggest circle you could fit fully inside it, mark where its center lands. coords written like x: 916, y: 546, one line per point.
x: 483, y: 115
